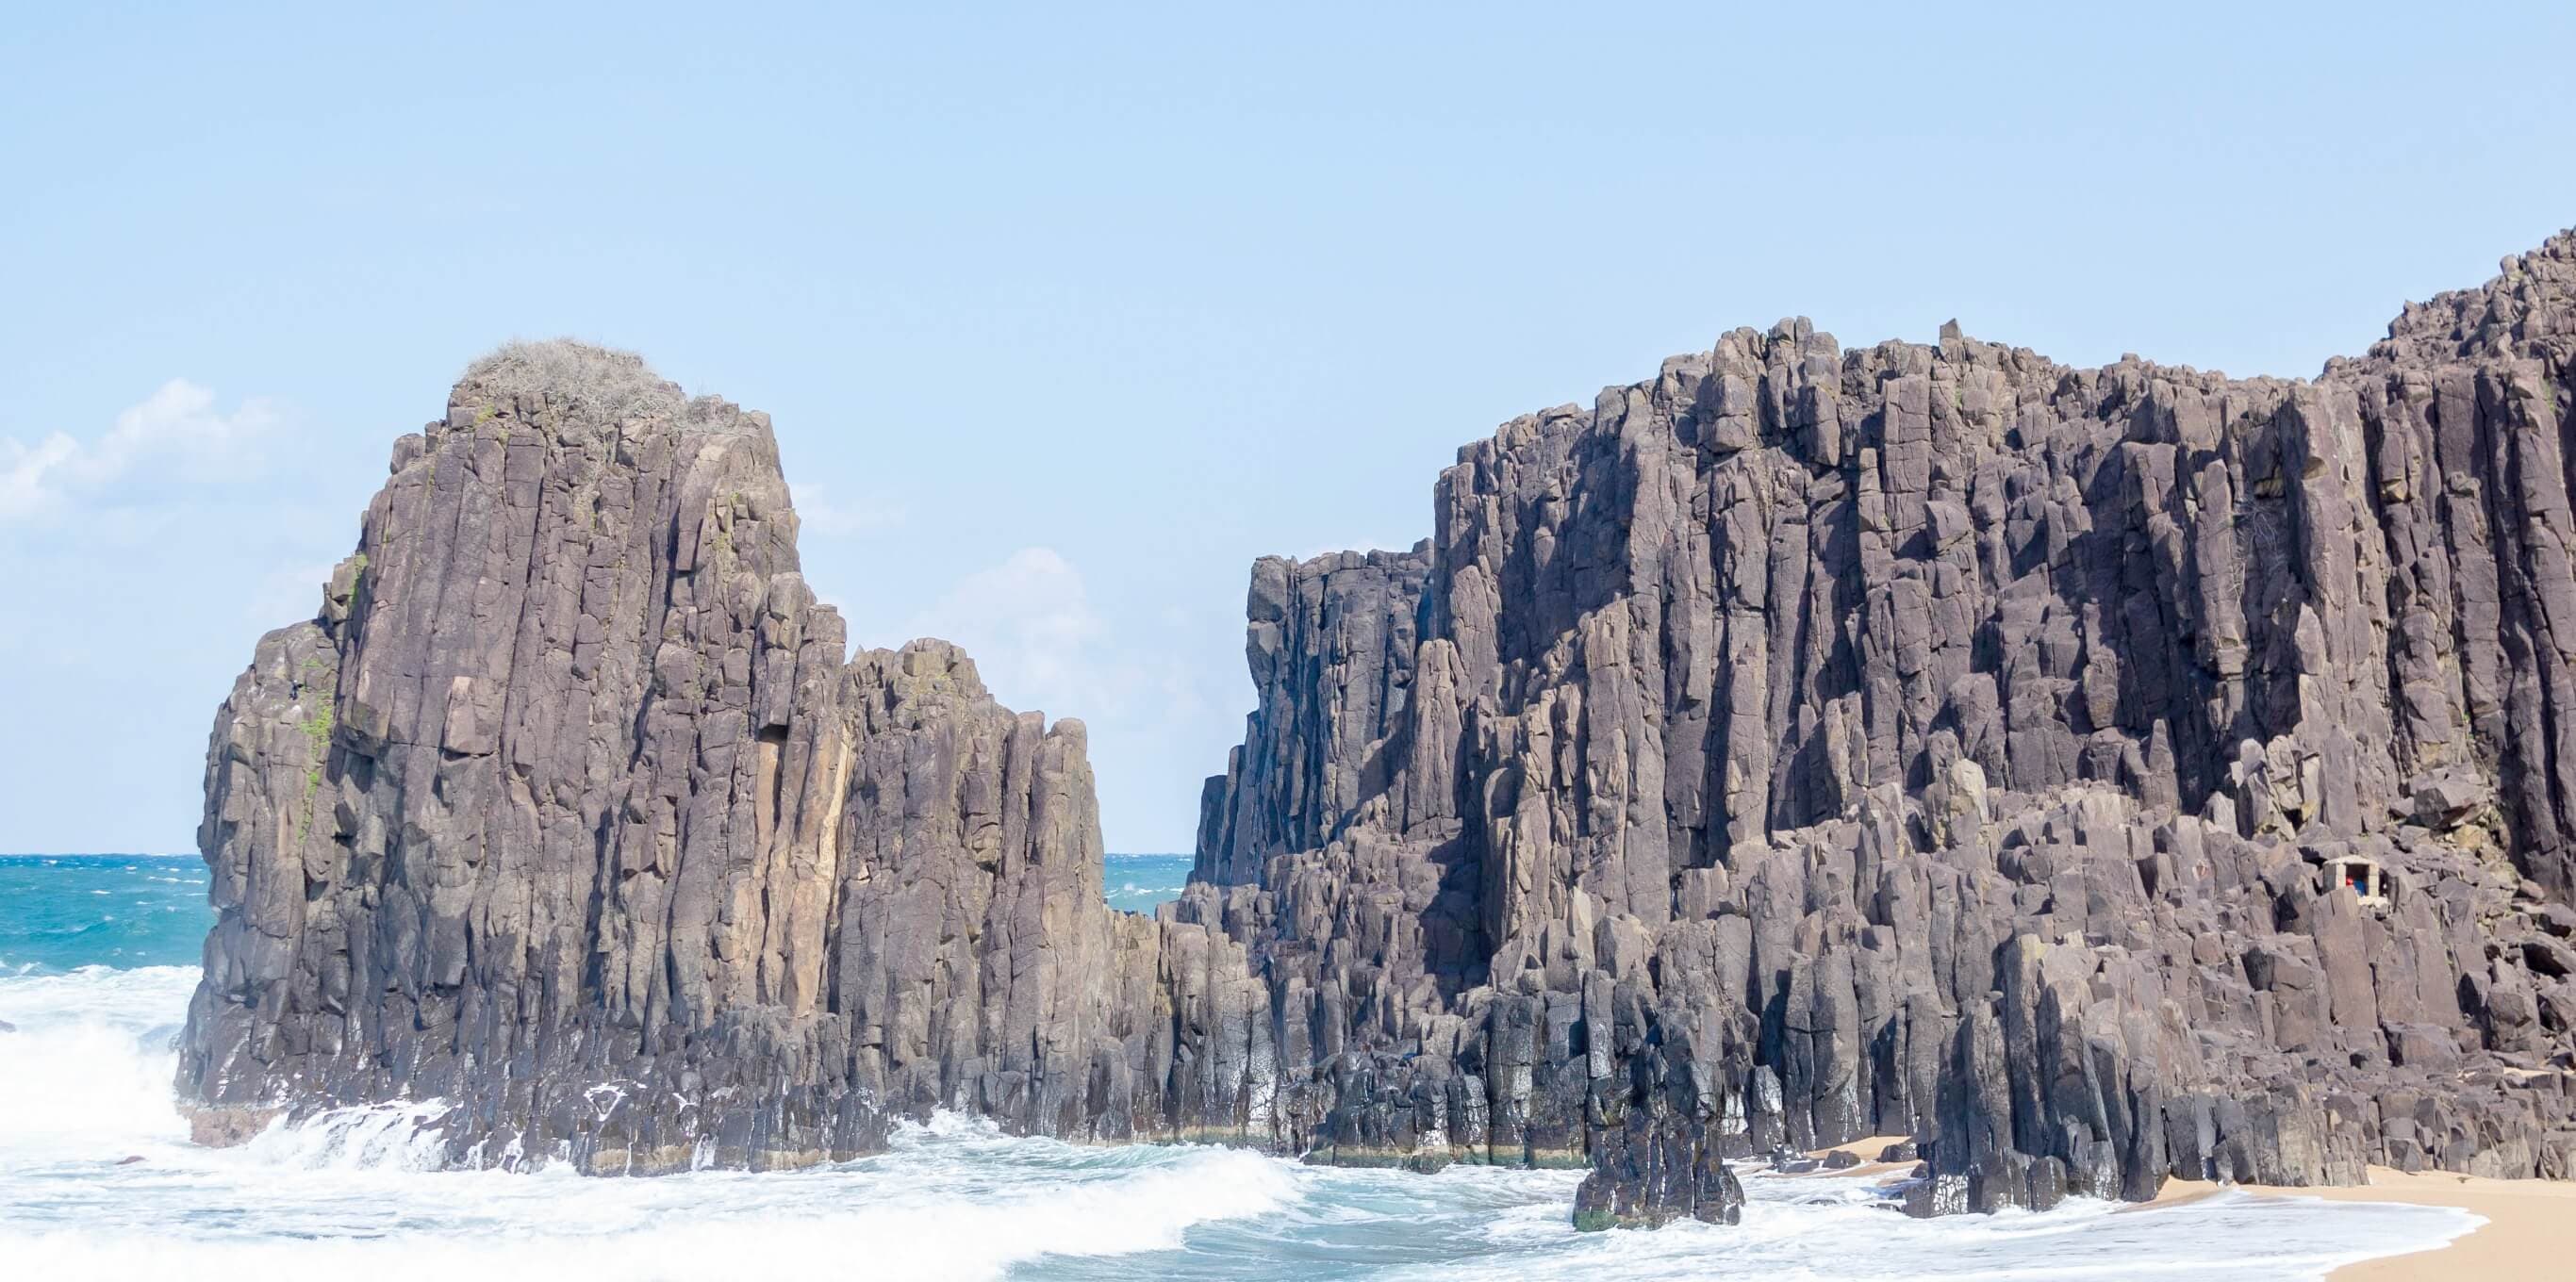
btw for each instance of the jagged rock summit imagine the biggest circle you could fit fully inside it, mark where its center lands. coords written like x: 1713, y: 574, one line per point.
x: 2093, y: 775
x: 572, y: 811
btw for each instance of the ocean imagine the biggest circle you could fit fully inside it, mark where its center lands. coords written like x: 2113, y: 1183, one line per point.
x: 98, y: 955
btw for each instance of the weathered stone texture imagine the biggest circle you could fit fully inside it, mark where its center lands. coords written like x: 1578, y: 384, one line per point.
x: 1331, y: 644
x: 570, y: 810
x: 1938, y: 741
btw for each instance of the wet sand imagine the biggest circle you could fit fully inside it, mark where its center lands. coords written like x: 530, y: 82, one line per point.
x: 2530, y: 1229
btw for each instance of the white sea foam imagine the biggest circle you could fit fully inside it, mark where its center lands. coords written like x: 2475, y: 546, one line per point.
x: 89, y: 1068
x: 88, y: 1084
x: 381, y: 1137
x: 846, y: 1223
x: 1836, y: 1230
x: 85, y: 1083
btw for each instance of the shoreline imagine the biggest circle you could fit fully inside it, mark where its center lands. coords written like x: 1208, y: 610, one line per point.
x: 2530, y: 1226
x: 2526, y: 1230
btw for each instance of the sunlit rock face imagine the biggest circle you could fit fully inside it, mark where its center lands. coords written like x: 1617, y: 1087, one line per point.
x: 1936, y: 741
x: 571, y: 809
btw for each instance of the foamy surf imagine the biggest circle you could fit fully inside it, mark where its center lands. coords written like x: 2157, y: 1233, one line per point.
x: 85, y: 1084
x: 887, y: 1222
x: 88, y: 1077
x: 90, y: 1066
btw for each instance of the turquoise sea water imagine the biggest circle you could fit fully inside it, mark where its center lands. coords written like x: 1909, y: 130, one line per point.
x: 98, y: 956
x: 60, y: 912
x: 1138, y: 882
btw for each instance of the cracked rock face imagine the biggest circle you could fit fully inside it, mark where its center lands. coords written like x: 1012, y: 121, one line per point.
x: 571, y: 810
x: 2094, y: 775
x: 2097, y: 774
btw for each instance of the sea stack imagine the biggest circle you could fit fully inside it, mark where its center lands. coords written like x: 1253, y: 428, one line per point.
x: 572, y: 810
x: 2094, y: 775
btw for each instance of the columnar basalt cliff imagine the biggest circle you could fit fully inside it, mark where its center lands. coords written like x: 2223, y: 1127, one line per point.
x: 571, y: 811
x: 2091, y: 775
x: 2095, y: 775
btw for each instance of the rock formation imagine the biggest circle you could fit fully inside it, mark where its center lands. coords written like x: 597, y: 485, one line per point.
x: 1941, y: 742
x: 570, y: 810
x: 2094, y: 775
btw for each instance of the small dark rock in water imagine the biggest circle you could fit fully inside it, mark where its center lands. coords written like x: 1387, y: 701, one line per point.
x: 1841, y: 1159
x: 129, y: 1161
x: 1789, y: 1161
x: 7, y: 1027
x: 1900, y: 1151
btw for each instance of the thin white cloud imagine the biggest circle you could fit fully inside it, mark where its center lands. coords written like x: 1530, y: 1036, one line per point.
x: 1030, y: 627
x: 285, y: 595
x: 817, y: 513
x: 175, y: 429
x: 1161, y: 690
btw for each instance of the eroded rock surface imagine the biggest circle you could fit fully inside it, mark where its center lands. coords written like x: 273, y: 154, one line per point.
x: 2094, y: 775
x: 1937, y: 741
x: 571, y: 810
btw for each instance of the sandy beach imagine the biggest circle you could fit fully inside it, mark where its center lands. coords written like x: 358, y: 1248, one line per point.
x: 2530, y: 1229
x: 1867, y: 1150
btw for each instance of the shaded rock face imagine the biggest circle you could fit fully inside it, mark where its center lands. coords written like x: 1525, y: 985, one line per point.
x: 1331, y: 646
x: 2093, y: 775
x: 2097, y: 774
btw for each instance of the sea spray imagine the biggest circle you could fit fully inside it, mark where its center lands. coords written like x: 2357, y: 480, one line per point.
x: 399, y: 1137
x: 88, y: 1069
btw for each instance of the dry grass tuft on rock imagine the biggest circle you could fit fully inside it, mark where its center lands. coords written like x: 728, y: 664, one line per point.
x: 616, y: 384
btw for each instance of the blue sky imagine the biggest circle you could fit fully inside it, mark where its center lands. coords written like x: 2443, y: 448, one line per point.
x: 1064, y: 318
